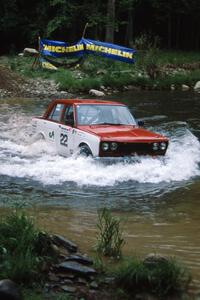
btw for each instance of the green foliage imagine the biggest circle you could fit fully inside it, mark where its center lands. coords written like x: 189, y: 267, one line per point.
x: 146, y: 42
x: 109, y: 239
x: 20, y: 259
x: 162, y: 278
x: 34, y: 295
x: 151, y: 71
x: 67, y: 81
x: 21, y: 22
x: 99, y: 263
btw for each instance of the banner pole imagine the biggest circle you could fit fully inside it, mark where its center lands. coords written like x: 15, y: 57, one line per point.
x: 84, y: 30
x: 36, y: 60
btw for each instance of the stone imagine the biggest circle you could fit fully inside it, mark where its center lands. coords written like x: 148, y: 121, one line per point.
x: 76, y: 268
x: 96, y: 93
x: 67, y: 275
x: 9, y: 290
x: 68, y: 281
x: 94, y: 285
x: 68, y: 289
x: 151, y: 260
x: 53, y: 277
x: 101, y: 72
x: 172, y: 87
x: 109, y: 280
x: 197, y: 86
x: 61, y: 241
x: 185, y: 87
x: 80, y: 258
x: 81, y: 281
x: 30, y: 52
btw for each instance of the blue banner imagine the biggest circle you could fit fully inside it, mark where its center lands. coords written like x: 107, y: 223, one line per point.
x: 62, y: 49
x: 108, y: 50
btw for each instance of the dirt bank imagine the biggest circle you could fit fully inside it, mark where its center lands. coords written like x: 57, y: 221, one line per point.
x: 13, y: 85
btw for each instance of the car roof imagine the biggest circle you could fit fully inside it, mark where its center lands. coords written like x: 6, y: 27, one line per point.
x: 86, y: 101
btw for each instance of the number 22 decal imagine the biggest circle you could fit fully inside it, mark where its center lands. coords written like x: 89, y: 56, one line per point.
x: 63, y: 139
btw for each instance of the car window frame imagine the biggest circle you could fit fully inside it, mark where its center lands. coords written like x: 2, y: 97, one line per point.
x: 52, y: 112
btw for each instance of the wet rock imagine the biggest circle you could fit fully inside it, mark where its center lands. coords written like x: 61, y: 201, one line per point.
x: 152, y: 260
x: 80, y: 258
x: 53, y: 277
x: 172, y: 87
x: 81, y: 281
x: 197, y: 86
x: 61, y: 241
x: 67, y: 275
x: 109, y: 280
x: 68, y: 281
x: 94, y: 285
x: 76, y: 268
x: 9, y: 290
x: 96, y: 93
x: 68, y: 289
x: 185, y: 87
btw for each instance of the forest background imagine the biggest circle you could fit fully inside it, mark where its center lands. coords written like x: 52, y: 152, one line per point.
x: 170, y: 24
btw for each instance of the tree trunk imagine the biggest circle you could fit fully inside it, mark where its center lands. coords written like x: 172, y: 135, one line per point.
x: 129, y: 28
x: 178, y: 31
x: 110, y: 22
x: 169, y: 32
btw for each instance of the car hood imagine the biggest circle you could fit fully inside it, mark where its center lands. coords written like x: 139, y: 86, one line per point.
x: 122, y: 133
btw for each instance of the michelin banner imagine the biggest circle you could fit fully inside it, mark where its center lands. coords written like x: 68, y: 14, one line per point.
x: 86, y: 46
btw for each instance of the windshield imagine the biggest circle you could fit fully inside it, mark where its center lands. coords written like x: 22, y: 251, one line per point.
x: 89, y: 114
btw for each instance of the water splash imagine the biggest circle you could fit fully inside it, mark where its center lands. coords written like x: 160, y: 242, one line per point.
x: 39, y: 162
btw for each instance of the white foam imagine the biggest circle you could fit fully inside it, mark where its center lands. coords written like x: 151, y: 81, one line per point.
x: 39, y: 162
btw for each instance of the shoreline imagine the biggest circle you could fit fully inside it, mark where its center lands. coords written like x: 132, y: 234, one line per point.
x: 96, y: 78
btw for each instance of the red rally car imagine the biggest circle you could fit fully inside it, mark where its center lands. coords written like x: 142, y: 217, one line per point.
x: 97, y: 128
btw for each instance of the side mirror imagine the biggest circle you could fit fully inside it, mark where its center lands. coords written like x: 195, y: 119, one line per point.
x: 140, y: 123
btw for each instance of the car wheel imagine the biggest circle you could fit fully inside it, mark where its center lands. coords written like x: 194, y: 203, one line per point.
x: 85, y: 151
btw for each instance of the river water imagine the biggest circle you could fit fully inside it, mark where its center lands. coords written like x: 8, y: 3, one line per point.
x: 158, y: 199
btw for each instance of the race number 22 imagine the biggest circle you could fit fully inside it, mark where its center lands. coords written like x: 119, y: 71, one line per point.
x: 63, y: 139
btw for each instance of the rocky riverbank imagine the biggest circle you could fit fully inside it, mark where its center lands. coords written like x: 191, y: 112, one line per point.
x: 18, y: 78
x: 14, y: 85
x: 73, y: 273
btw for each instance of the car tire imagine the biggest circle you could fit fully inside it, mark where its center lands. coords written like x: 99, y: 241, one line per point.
x: 85, y: 151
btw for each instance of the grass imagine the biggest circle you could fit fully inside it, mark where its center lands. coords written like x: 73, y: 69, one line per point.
x: 109, y: 239
x: 34, y: 295
x: 163, y: 278
x: 97, y: 71
x: 23, y: 249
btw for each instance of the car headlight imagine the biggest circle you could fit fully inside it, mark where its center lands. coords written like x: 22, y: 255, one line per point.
x: 163, y: 146
x: 105, y: 146
x: 113, y: 146
x: 155, y: 146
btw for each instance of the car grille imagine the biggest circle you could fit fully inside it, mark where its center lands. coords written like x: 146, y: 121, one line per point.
x: 135, y: 148
x: 131, y: 149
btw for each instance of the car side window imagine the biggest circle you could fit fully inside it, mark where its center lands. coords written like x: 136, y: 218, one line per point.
x: 69, y: 115
x: 56, y: 113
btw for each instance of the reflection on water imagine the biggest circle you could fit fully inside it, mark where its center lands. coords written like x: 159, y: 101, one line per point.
x: 171, y: 234
x: 158, y: 199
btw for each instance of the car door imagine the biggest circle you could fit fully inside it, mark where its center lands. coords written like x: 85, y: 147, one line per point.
x: 49, y: 126
x: 66, y: 132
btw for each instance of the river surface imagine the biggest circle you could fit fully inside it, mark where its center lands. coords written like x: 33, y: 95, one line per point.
x: 158, y: 199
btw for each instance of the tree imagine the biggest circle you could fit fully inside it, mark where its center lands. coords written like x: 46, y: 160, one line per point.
x: 110, y: 21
